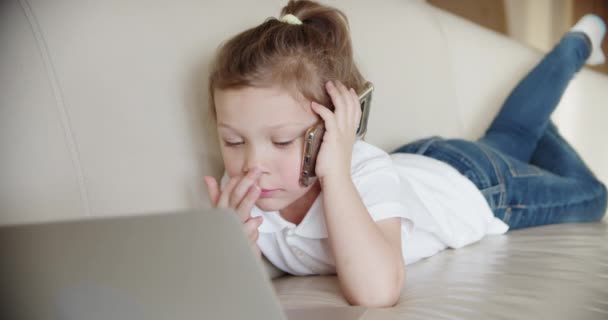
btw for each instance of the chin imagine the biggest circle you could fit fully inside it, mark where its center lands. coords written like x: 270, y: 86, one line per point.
x: 270, y: 204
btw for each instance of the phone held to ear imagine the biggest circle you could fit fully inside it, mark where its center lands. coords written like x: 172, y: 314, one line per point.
x: 314, y: 137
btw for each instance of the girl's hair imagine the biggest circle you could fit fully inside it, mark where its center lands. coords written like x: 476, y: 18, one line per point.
x: 300, y: 58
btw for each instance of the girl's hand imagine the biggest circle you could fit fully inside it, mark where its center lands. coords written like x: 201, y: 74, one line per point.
x: 240, y: 194
x: 335, y: 155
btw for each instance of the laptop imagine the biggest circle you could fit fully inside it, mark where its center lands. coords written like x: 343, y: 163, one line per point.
x: 185, y: 265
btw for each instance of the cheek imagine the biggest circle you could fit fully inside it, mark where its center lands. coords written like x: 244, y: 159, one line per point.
x: 232, y: 164
x: 290, y: 166
x: 232, y: 170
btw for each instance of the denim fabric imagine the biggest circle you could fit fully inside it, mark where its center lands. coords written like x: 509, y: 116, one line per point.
x: 524, y: 168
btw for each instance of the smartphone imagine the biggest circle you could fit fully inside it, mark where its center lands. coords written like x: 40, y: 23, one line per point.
x: 365, y: 99
x: 314, y: 137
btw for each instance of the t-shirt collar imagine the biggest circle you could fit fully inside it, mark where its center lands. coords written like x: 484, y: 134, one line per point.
x: 312, y: 226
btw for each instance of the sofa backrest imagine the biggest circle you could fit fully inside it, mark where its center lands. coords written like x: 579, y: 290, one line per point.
x: 100, y: 113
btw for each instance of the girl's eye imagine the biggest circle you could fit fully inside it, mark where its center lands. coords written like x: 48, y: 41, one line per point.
x: 232, y: 144
x: 283, y: 144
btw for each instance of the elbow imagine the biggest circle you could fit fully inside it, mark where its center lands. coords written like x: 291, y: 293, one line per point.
x: 373, y: 299
x: 383, y: 296
x: 375, y: 302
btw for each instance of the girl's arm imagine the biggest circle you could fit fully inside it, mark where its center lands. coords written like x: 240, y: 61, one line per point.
x: 368, y: 255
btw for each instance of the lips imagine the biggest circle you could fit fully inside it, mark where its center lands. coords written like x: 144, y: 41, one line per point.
x: 266, y: 193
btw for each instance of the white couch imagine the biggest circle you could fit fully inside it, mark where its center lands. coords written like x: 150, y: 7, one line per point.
x: 99, y: 115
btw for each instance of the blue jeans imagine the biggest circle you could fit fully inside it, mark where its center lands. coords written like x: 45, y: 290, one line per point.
x: 524, y: 168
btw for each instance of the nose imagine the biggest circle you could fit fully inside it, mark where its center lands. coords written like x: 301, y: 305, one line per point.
x: 253, y: 160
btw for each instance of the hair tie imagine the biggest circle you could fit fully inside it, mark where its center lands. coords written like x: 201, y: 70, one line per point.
x: 290, y: 19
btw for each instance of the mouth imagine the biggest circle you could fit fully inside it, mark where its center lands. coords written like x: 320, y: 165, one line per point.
x: 266, y: 193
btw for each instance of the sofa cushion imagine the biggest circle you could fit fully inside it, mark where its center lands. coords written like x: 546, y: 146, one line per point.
x: 549, y: 272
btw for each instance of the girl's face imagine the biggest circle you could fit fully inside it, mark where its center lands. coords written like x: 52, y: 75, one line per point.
x: 264, y: 128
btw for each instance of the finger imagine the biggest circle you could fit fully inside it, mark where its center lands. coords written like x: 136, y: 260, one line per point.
x: 325, y: 114
x: 336, y: 96
x: 348, y: 107
x: 251, y: 226
x: 243, y: 186
x: 256, y: 250
x: 223, y: 202
x: 344, y: 93
x: 213, y: 189
x: 244, y: 208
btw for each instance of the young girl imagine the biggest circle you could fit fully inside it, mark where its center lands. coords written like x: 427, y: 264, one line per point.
x: 370, y: 213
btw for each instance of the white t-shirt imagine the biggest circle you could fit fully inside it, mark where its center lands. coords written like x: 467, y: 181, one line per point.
x: 438, y: 207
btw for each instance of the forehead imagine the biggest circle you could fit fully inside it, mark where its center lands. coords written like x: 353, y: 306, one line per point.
x: 265, y: 102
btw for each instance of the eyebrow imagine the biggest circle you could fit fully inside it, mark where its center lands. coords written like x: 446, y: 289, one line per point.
x: 276, y: 126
